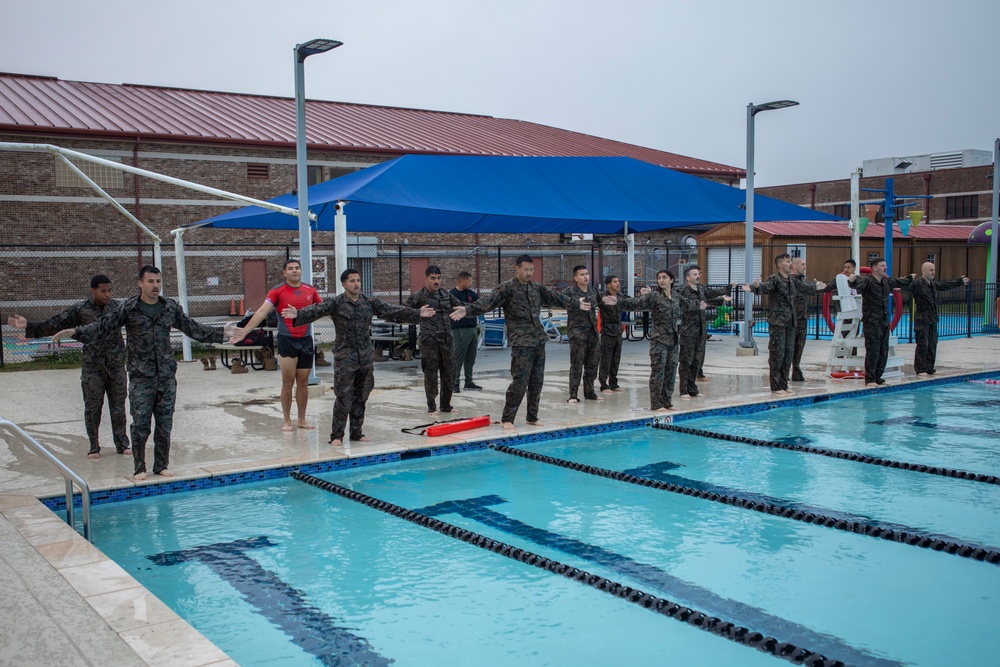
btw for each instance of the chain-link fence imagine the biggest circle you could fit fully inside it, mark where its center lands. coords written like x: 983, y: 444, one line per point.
x: 225, y: 280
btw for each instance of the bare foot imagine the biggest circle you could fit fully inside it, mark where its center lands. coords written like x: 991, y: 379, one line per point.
x: 508, y: 426
x: 660, y: 411
x: 779, y: 392
x: 596, y: 398
x: 139, y: 476
x: 336, y: 443
x: 433, y: 413
x: 921, y: 375
x: 789, y: 392
x: 305, y: 426
x: 535, y: 423
x: 287, y: 428
x: 607, y: 391
x: 125, y: 452
x: 685, y: 397
x: 617, y: 389
x: 363, y: 438
x: 93, y: 456
x: 166, y: 473
x: 698, y: 396
x: 573, y: 400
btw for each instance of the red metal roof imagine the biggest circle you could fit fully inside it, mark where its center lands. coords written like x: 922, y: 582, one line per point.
x: 47, y: 104
x: 873, y: 231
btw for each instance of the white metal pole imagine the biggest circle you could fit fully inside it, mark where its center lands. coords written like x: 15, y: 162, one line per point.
x: 630, y: 263
x: 748, y: 245
x: 182, y: 295
x: 855, y: 214
x: 340, y: 243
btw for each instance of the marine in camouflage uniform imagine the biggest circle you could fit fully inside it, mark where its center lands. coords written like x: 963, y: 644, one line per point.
x: 353, y: 352
x: 437, y: 346
x: 693, y: 331
x: 925, y: 296
x: 103, y: 370
x: 800, y: 304
x: 611, y: 344
x: 782, y: 323
x: 875, y: 294
x: 522, y: 303
x: 584, y: 341
x: 665, y: 312
x: 152, y: 368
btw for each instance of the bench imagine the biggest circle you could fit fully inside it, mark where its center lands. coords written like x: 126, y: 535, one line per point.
x: 246, y: 354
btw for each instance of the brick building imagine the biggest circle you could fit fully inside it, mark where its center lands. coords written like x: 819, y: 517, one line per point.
x: 55, y: 231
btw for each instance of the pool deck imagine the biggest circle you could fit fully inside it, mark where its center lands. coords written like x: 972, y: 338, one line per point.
x: 73, y: 606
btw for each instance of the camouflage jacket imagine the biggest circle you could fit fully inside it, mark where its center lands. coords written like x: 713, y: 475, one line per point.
x: 782, y: 294
x: 352, y: 321
x: 150, y: 354
x: 438, y: 327
x: 665, y: 312
x: 107, y: 351
x: 693, y: 322
x: 611, y: 316
x: 925, y: 296
x: 802, y: 296
x: 582, y: 322
x: 521, y: 304
x: 875, y: 297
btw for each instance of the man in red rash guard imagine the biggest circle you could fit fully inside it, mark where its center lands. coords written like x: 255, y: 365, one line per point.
x: 295, y: 345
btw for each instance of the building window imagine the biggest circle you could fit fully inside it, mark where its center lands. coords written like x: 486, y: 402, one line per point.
x: 315, y: 174
x: 796, y: 250
x: 842, y: 210
x: 256, y: 170
x: 931, y: 257
x: 964, y: 206
x: 872, y: 256
x: 106, y: 177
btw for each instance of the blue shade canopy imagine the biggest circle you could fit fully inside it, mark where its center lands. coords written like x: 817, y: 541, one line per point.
x: 525, y: 195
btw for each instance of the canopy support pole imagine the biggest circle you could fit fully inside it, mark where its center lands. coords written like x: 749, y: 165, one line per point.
x: 630, y: 262
x: 855, y: 225
x: 182, y: 295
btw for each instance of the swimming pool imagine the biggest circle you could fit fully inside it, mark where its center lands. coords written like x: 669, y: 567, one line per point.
x: 288, y: 573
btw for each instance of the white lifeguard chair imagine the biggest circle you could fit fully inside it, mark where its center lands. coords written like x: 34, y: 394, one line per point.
x: 847, y: 352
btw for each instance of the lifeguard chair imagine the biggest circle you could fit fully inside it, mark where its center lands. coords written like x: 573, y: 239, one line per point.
x: 847, y: 352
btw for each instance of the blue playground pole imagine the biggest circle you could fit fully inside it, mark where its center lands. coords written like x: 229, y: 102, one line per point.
x: 888, y: 217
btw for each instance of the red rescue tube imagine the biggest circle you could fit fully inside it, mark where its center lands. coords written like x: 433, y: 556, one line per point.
x: 847, y: 375
x: 460, y: 425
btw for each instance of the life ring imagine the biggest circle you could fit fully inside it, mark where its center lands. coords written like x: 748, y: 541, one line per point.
x: 897, y: 303
x: 847, y: 375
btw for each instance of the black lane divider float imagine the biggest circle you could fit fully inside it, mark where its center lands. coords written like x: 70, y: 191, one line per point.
x: 904, y: 537
x: 716, y: 626
x: 836, y: 454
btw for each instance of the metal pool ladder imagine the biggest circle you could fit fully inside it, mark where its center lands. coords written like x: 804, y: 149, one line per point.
x: 68, y: 475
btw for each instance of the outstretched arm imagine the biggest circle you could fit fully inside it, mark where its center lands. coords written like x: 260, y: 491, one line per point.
x: 241, y: 332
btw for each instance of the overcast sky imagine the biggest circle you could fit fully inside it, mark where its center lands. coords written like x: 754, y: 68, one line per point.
x: 875, y: 78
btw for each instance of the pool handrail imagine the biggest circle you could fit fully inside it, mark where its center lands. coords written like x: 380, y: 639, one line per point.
x: 69, y: 477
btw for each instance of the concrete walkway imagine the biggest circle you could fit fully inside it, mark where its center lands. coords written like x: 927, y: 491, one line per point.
x: 65, y: 603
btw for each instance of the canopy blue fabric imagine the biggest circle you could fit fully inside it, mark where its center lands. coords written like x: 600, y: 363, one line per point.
x: 527, y: 195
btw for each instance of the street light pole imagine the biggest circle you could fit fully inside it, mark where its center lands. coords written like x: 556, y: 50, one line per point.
x: 301, y: 52
x: 753, y: 110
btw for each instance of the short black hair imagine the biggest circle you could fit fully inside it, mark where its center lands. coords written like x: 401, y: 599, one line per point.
x: 783, y: 255
x: 851, y: 262
x: 523, y: 259
x: 578, y: 268
x: 608, y: 278
x: 875, y: 261
x: 291, y: 260
x: 347, y: 274
x: 693, y: 267
x: 464, y: 274
x: 148, y: 268
x: 98, y: 280
x: 432, y: 270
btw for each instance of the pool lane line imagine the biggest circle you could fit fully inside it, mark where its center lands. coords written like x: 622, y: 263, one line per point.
x: 912, y: 538
x: 835, y: 453
x: 310, y: 629
x: 716, y: 626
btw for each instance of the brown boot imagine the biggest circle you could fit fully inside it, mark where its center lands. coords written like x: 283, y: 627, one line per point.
x: 211, y: 361
x: 204, y: 362
x: 238, y: 366
x: 321, y: 359
x: 270, y: 363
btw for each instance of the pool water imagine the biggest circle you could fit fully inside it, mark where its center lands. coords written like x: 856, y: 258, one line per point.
x: 285, y: 573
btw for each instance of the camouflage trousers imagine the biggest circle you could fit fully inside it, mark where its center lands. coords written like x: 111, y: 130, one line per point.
x: 152, y: 400
x: 662, y: 372
x: 527, y: 370
x: 926, y: 353
x: 692, y: 354
x: 98, y: 381
x: 437, y: 359
x: 351, y: 386
x: 611, y: 357
x: 876, y: 351
x: 584, y: 359
x: 780, y: 350
x: 466, y: 346
x: 800, y: 346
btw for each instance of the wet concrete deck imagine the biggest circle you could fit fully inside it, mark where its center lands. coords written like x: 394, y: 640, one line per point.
x: 76, y: 607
